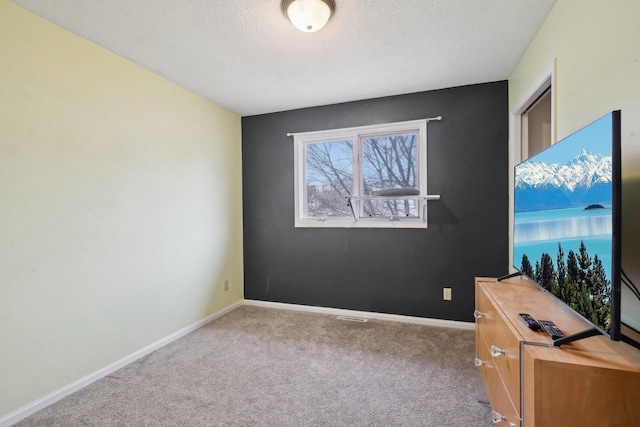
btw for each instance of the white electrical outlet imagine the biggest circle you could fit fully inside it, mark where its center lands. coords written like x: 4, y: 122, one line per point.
x: 446, y: 294
x: 226, y: 285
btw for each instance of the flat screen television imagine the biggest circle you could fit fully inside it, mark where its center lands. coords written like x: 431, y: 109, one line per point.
x: 567, y: 228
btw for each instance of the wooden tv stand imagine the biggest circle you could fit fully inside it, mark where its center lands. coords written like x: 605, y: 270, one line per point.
x: 591, y: 382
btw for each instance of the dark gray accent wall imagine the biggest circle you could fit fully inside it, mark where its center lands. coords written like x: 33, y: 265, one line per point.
x: 400, y: 271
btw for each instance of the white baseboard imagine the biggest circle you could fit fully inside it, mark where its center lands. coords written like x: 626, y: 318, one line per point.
x: 43, y: 402
x: 365, y: 314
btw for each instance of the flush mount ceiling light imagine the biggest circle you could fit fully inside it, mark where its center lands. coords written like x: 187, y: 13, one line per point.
x: 308, y: 15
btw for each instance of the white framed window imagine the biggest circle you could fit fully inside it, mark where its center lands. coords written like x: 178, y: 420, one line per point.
x: 368, y: 176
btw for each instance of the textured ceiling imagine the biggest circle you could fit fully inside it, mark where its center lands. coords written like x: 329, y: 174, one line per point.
x: 245, y: 56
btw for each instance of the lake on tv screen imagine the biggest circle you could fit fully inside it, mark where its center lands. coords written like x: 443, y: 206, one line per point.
x: 539, y: 232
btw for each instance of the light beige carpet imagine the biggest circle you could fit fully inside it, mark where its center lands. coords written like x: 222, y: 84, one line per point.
x: 268, y: 367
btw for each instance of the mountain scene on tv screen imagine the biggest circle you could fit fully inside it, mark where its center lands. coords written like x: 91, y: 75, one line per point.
x: 582, y: 181
x: 563, y: 220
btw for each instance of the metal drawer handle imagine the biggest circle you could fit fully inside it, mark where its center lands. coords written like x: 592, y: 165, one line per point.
x: 496, y: 351
x: 478, y: 314
x: 478, y: 362
x: 497, y: 417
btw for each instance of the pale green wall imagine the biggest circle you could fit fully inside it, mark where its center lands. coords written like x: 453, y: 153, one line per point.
x: 596, y: 47
x: 120, y: 208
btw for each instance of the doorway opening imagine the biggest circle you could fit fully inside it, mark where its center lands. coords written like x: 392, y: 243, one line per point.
x: 536, y: 126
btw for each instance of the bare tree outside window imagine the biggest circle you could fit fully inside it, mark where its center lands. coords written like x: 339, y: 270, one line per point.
x: 390, y: 162
x: 329, y: 178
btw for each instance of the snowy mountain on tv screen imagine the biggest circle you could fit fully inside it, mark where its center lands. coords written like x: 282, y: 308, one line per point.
x: 583, y: 181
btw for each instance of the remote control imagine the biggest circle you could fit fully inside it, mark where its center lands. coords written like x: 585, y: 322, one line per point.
x: 530, y: 321
x: 551, y: 329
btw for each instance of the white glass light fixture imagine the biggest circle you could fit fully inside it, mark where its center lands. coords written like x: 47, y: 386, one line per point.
x: 308, y: 15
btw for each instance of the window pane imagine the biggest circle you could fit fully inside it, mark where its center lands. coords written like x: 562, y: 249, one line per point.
x: 329, y: 174
x: 390, y: 161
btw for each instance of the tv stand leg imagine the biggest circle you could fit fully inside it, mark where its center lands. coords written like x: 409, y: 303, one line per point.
x: 509, y: 276
x: 575, y: 337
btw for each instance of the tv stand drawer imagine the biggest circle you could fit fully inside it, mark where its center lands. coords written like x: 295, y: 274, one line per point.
x: 498, y: 349
x: 505, y: 412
